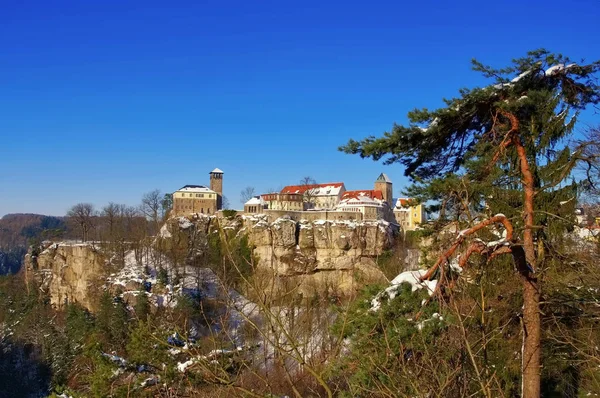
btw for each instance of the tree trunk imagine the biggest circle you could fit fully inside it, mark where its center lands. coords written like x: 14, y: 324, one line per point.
x: 530, y: 384
x: 531, y: 337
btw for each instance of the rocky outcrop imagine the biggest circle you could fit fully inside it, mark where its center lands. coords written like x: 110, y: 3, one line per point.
x: 336, y: 254
x: 313, y: 256
x: 295, y: 248
x: 67, y: 272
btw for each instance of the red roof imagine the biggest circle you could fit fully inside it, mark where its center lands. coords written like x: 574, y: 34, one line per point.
x: 373, y: 194
x: 304, y: 188
x: 403, y: 202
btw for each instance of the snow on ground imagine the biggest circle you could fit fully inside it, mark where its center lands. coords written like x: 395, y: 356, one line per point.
x: 120, y: 362
x: 136, y: 271
x: 71, y: 243
x: 184, y: 223
x: 164, y: 231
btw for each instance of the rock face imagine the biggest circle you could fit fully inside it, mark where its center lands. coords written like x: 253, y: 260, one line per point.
x: 68, y: 272
x: 318, y: 254
x: 295, y: 248
x: 337, y: 256
x: 321, y: 255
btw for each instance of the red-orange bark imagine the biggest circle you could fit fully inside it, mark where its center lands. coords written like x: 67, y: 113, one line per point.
x: 524, y: 258
x: 501, y: 218
x: 531, y: 293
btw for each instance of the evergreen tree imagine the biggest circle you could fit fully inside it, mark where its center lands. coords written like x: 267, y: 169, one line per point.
x: 112, y: 320
x: 142, y: 306
x: 500, y: 153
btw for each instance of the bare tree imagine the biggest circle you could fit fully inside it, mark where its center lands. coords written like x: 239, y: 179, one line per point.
x: 151, y: 207
x: 590, y: 165
x: 111, y: 214
x: 246, y: 194
x: 82, y: 216
x: 308, y: 180
x: 225, y: 202
x: 308, y: 184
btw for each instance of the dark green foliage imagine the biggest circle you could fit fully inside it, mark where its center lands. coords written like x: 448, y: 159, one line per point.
x: 142, y: 306
x: 194, y: 310
x: 144, y: 347
x: 384, y: 343
x: 230, y: 257
x: 230, y: 214
x: 167, y: 203
x: 162, y: 276
x: 112, y: 321
x: 79, y: 323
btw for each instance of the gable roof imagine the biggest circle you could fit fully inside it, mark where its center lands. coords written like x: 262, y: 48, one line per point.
x: 255, y: 200
x: 195, y: 189
x: 372, y: 194
x: 328, y: 189
x: 383, y: 178
x: 404, y: 203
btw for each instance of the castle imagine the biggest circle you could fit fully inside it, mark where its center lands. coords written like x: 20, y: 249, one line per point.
x: 191, y: 199
x: 329, y: 201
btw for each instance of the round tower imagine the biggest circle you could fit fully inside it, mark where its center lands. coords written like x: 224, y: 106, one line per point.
x: 216, y: 184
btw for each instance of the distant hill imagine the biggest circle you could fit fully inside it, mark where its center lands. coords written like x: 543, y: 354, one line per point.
x: 18, y: 230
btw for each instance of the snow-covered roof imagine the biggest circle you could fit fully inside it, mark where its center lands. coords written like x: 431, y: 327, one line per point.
x: 402, y: 203
x: 373, y: 194
x: 217, y: 170
x: 360, y: 200
x: 195, y: 189
x: 383, y: 178
x: 328, y: 189
x: 256, y: 200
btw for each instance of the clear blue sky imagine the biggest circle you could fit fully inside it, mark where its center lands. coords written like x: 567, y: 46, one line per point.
x: 105, y: 100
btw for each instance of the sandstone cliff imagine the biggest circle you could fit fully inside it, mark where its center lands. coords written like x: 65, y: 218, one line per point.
x: 321, y: 254
x: 336, y: 256
x: 68, y: 272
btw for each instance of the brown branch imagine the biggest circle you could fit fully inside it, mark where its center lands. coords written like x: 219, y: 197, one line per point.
x: 499, y: 218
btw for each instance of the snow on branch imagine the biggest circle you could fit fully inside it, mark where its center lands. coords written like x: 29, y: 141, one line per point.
x: 444, y: 258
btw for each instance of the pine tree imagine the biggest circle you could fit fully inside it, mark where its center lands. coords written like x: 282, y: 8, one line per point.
x: 500, y: 152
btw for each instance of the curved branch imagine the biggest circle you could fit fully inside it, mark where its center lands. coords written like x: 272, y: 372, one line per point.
x: 498, y: 218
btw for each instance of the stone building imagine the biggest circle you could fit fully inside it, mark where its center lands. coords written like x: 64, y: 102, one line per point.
x: 409, y: 215
x: 369, y: 203
x: 192, y: 199
x: 384, y: 184
x: 255, y: 205
x: 284, y: 201
x: 317, y: 196
x: 216, y: 185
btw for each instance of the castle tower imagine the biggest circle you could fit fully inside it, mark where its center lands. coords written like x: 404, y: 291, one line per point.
x: 216, y: 184
x: 384, y: 184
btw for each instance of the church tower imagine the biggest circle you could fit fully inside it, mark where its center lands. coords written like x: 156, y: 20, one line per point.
x: 384, y: 184
x: 216, y: 184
